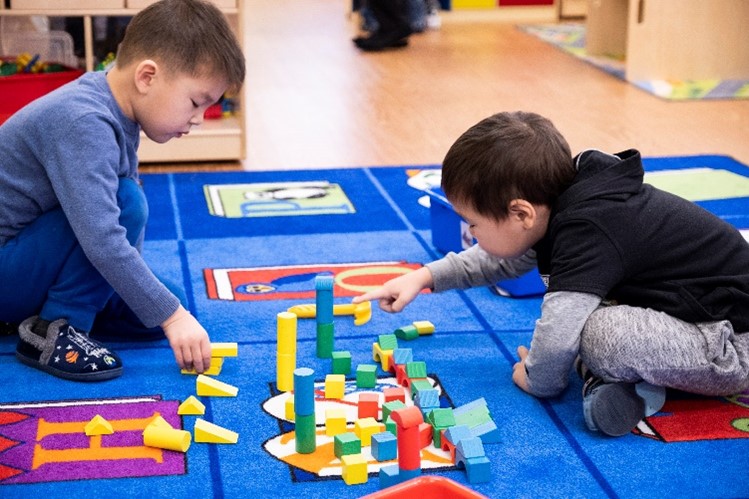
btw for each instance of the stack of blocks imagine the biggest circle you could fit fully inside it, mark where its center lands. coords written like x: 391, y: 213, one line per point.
x: 304, y: 410
x: 324, y: 315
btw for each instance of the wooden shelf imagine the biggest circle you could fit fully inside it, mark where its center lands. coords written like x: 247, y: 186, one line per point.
x: 214, y: 140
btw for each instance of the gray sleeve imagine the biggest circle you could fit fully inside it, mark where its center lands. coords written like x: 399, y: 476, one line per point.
x: 556, y: 340
x: 475, y: 267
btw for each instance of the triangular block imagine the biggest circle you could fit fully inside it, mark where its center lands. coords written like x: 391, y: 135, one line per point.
x: 210, y: 387
x: 160, y: 422
x: 191, y: 407
x: 98, y: 426
x: 210, y: 433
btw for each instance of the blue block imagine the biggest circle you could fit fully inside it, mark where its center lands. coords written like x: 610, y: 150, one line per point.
x: 457, y: 433
x: 324, y: 299
x: 487, y: 432
x: 478, y: 469
x: 427, y: 399
x: 402, y: 355
x: 384, y: 446
x: 304, y: 391
x: 389, y: 476
x: 469, y: 448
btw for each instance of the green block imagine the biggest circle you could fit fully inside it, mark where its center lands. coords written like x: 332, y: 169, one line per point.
x: 305, y: 434
x: 442, y: 417
x: 388, y: 341
x: 416, y: 369
x: 341, y: 362
x: 419, y: 384
x: 345, y: 444
x: 325, y: 341
x: 366, y: 375
x: 407, y: 333
x: 391, y: 406
x: 391, y: 426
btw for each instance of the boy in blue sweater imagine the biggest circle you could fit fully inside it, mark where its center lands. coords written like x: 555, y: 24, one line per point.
x: 72, y: 212
x: 645, y: 290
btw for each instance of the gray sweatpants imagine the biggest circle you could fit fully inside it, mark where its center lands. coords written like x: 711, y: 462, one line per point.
x: 630, y: 344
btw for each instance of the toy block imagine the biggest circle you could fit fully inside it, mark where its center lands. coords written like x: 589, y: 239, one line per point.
x: 354, y: 469
x: 476, y: 411
x: 478, y: 469
x: 325, y: 340
x: 416, y: 369
x: 285, y: 365
x: 393, y: 405
x: 427, y: 399
x: 304, y: 391
x: 286, y: 329
x: 345, y: 444
x: 163, y: 437
x: 289, y: 408
x: 362, y: 312
x: 324, y: 298
x: 487, y: 432
x: 366, y: 376
x: 225, y: 349
x: 400, y: 375
x: 384, y: 357
x: 390, y: 426
x: 214, y: 369
x: 455, y: 434
x: 389, y: 476
x: 335, y: 386
x: 98, y: 426
x: 210, y: 433
x: 387, y: 341
x: 408, y: 417
x: 469, y: 447
x: 335, y: 422
x: 426, y: 434
x: 440, y: 419
x: 368, y: 406
x: 402, y: 356
x: 407, y: 333
x: 394, y: 393
x: 305, y: 433
x: 408, y: 421
x: 159, y: 421
x: 384, y: 446
x: 366, y: 427
x: 418, y: 384
x: 424, y: 327
x: 341, y: 362
x: 210, y: 387
x: 191, y: 407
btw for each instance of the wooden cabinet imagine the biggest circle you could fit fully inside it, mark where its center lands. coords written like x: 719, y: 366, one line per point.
x: 215, y: 140
x: 672, y: 39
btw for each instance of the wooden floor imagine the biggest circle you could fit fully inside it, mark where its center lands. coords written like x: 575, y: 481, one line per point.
x: 315, y: 101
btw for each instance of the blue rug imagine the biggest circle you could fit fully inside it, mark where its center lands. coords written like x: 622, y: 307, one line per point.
x: 246, y: 246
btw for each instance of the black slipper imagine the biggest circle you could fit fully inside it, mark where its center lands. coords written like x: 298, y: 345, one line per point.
x: 66, y: 353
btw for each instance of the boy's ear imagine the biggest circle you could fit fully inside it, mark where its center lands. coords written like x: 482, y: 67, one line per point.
x: 523, y: 211
x: 146, y: 73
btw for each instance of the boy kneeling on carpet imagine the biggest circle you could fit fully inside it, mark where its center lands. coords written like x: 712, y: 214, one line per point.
x: 72, y: 211
x: 645, y: 290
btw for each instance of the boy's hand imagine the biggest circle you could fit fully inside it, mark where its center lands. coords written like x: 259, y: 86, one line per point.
x: 189, y: 341
x: 519, y: 376
x: 395, y: 294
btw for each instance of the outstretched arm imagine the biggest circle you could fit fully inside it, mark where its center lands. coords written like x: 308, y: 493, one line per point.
x: 395, y: 294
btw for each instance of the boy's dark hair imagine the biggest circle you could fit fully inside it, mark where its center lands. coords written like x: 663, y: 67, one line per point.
x: 191, y: 37
x: 507, y: 156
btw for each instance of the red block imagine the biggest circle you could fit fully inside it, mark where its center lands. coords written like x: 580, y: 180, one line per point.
x: 400, y: 374
x: 425, y: 434
x: 369, y: 405
x: 394, y: 393
x: 408, y: 420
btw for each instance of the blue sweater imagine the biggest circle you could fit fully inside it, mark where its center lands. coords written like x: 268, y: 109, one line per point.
x: 69, y: 149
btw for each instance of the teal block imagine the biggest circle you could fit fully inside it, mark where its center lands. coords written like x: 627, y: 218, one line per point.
x: 366, y: 376
x: 341, y: 362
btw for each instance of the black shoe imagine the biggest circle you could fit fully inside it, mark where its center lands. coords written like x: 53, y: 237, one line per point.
x: 66, y: 352
x: 384, y: 40
x: 611, y: 408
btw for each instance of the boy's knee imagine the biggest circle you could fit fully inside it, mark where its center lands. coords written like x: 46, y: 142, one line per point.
x: 133, y: 207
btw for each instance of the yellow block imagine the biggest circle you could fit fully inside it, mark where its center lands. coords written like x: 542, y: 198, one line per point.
x: 335, y: 422
x: 424, y: 327
x: 210, y: 433
x: 286, y: 332
x: 366, y: 427
x: 224, y: 349
x: 159, y: 421
x: 209, y: 387
x: 285, y: 365
x: 166, y: 438
x: 191, y: 407
x: 289, y: 408
x: 335, y: 386
x: 473, y: 4
x: 354, y: 469
x: 98, y: 426
x: 213, y: 370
